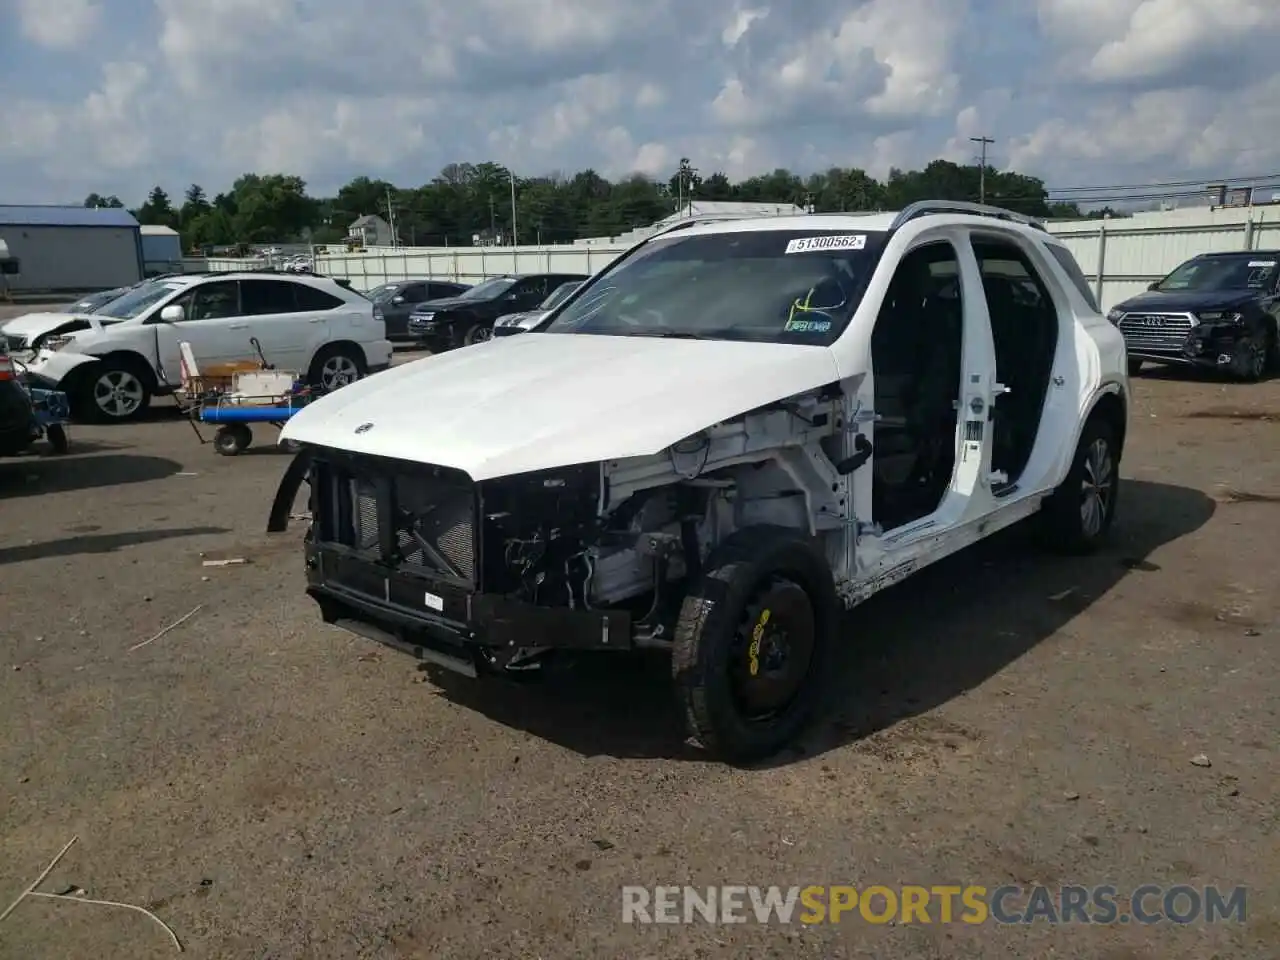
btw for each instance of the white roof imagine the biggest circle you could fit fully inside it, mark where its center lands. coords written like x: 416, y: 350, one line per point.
x: 818, y: 223
x: 154, y: 230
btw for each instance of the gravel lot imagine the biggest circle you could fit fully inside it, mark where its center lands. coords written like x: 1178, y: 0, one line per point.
x: 272, y: 787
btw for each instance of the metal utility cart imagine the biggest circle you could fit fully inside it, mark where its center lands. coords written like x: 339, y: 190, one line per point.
x: 235, y: 395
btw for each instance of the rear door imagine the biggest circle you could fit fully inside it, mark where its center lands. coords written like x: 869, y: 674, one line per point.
x: 289, y: 334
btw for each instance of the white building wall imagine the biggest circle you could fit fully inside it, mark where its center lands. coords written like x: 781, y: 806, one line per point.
x: 1120, y: 256
x: 72, y: 258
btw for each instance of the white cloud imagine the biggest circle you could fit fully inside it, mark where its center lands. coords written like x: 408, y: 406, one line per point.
x: 1073, y: 91
x: 58, y: 24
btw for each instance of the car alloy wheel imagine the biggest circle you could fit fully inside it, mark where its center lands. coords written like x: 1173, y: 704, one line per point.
x: 338, y: 371
x: 118, y: 394
x: 1097, y: 487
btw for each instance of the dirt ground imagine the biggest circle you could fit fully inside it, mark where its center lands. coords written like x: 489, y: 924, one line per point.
x: 274, y: 788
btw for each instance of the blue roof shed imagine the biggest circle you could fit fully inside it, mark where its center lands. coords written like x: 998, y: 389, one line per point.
x: 71, y: 248
x: 33, y: 215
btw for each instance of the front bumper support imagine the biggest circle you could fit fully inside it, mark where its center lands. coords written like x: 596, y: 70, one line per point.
x: 445, y: 623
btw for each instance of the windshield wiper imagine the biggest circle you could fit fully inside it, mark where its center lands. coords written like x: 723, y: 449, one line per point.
x: 667, y: 334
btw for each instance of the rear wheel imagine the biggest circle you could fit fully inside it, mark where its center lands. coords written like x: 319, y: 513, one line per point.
x: 754, y: 643
x: 336, y: 366
x: 1079, y: 514
x: 1134, y: 367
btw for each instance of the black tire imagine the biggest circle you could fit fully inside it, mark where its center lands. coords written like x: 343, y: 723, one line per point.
x: 725, y: 618
x: 1250, y: 359
x: 1069, y: 524
x: 1134, y: 367
x: 113, y: 390
x: 232, y: 439
x: 335, y: 366
x: 477, y: 333
x: 56, y: 434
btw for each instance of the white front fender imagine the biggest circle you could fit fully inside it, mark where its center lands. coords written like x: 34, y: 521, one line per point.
x: 53, y: 365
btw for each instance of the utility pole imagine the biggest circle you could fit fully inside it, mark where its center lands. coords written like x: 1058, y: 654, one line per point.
x: 982, y: 166
x: 391, y: 220
x: 515, y: 235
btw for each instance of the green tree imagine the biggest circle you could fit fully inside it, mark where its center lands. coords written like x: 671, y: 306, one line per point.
x: 97, y: 200
x: 157, y: 211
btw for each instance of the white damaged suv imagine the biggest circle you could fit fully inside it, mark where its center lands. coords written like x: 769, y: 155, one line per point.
x: 112, y: 362
x: 731, y: 434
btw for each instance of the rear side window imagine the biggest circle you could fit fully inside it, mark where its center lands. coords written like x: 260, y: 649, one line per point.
x: 309, y: 298
x: 265, y: 297
x: 1068, y: 263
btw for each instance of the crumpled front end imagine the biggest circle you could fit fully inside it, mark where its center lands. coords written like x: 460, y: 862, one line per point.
x: 470, y: 576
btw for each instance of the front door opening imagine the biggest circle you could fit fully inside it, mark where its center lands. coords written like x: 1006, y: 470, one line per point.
x: 916, y: 349
x: 1024, y: 332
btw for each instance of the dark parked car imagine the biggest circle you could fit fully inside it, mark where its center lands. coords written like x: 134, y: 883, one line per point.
x: 467, y: 319
x: 1218, y: 310
x: 395, y: 301
x: 513, y: 323
x: 17, y: 420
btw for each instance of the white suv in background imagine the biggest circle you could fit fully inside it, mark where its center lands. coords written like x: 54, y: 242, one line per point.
x: 128, y: 352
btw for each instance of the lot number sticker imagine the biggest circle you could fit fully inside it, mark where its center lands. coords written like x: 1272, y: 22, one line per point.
x: 851, y: 241
x: 1253, y: 264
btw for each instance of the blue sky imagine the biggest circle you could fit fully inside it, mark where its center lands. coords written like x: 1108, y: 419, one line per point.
x: 115, y: 97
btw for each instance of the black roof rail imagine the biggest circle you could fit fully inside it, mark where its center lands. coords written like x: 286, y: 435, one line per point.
x: 923, y: 208
x: 699, y: 221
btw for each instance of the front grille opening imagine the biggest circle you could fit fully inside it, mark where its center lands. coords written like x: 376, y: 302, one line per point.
x: 1157, y: 332
x: 396, y: 515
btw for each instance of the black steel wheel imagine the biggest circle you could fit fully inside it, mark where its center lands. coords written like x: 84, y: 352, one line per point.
x: 754, y: 643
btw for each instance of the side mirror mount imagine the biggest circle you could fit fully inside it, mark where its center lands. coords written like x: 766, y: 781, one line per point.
x: 173, y: 313
x: 1153, y: 284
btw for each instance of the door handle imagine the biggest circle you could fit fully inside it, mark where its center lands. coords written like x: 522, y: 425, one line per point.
x: 316, y: 320
x: 238, y: 326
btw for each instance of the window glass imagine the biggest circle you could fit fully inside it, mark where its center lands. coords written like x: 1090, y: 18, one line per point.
x: 138, y: 300
x: 414, y: 293
x: 1244, y: 271
x: 309, y: 298
x: 266, y: 297
x: 1068, y: 263
x: 213, y: 301
x: 786, y: 286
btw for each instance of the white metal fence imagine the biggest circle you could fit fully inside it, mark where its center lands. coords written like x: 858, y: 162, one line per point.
x: 1121, y: 256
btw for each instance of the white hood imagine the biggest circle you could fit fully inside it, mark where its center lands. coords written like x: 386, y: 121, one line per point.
x: 31, y: 325
x: 517, y: 404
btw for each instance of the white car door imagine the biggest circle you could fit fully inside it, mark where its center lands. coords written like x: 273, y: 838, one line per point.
x: 288, y: 332
x: 212, y: 323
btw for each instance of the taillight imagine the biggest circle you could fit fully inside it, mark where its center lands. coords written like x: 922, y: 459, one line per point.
x: 7, y: 371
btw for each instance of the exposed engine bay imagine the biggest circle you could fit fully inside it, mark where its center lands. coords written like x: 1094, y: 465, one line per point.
x: 621, y: 533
